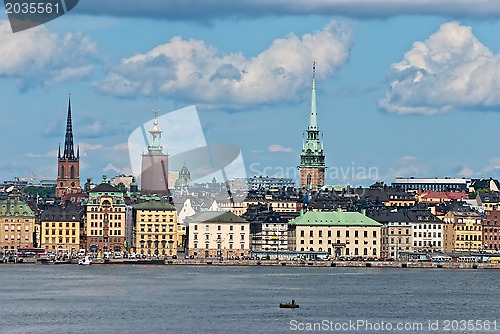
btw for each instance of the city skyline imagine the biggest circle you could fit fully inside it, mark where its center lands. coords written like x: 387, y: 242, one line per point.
x: 399, y: 91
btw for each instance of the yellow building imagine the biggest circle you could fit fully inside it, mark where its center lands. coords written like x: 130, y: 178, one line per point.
x: 17, y: 225
x: 104, y: 229
x: 60, y: 229
x: 338, y: 233
x: 155, y: 228
x: 462, y: 232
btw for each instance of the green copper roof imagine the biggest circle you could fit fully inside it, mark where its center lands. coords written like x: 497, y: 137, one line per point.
x: 15, y: 208
x: 335, y: 218
x: 155, y: 205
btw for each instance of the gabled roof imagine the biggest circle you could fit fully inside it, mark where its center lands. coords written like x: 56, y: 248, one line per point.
x: 334, y: 218
x: 217, y: 217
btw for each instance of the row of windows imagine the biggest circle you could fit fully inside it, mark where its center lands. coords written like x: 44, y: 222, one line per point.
x: 329, y: 234
x: 54, y: 232
x: 100, y: 209
x: 427, y: 243
x: 157, y: 228
x: 219, y: 227
x: 12, y: 220
x: 425, y: 226
x: 111, y: 224
x: 60, y: 240
x: 472, y: 237
x: 19, y: 228
x: 105, y: 239
x: 347, y: 251
x: 110, y: 216
x: 320, y: 242
x: 427, y: 235
x: 60, y: 225
x: 219, y: 237
x: 491, y: 230
x: 468, y: 228
x: 12, y: 237
x: 111, y: 232
x: 207, y: 246
x: 170, y: 237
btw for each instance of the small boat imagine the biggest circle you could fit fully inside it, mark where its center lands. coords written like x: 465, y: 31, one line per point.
x: 85, y: 261
x: 290, y: 305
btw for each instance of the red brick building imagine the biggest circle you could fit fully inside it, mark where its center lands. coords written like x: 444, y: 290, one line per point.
x: 491, y: 232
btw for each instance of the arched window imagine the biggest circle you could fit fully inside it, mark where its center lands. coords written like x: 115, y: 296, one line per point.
x: 62, y: 173
x: 72, y: 172
x: 309, y: 179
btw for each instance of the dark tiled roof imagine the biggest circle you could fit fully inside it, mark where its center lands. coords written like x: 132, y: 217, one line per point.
x: 105, y: 188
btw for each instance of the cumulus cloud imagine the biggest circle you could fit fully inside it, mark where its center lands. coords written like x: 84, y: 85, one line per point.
x: 213, y: 9
x: 125, y: 170
x: 452, y: 69
x: 279, y: 148
x: 406, y: 166
x: 195, y: 72
x: 39, y: 57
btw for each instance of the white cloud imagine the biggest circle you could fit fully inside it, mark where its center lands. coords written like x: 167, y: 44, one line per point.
x: 406, y: 166
x: 213, y: 9
x: 39, y: 57
x: 279, y: 148
x: 452, y: 69
x: 193, y: 71
x: 125, y: 170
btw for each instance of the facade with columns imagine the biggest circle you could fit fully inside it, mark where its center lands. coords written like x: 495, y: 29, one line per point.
x: 68, y: 164
x: 312, y: 159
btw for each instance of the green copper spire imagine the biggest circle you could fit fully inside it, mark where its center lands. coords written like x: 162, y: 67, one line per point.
x: 312, y: 158
x: 313, y: 122
x: 155, y: 136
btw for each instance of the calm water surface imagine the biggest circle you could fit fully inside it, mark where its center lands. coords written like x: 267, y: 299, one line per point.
x: 188, y: 299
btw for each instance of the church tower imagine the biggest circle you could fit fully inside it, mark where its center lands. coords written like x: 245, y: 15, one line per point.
x: 68, y: 165
x: 312, y: 159
x: 154, y: 175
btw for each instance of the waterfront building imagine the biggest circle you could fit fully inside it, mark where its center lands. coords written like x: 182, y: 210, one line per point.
x: 312, y: 159
x: 268, y: 231
x: 105, y: 211
x: 462, y: 231
x: 60, y: 229
x: 154, y: 174
x: 17, y: 225
x: 436, y: 184
x: 155, y: 228
x: 338, y: 233
x: 218, y: 234
x: 68, y: 164
x: 491, y: 232
x: 408, y: 230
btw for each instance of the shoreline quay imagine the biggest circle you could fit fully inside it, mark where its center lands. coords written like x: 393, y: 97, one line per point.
x: 290, y: 263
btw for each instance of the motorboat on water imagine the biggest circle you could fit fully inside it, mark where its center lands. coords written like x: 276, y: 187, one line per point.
x: 85, y: 261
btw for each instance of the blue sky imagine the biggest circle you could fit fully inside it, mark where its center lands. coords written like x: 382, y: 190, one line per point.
x: 402, y: 89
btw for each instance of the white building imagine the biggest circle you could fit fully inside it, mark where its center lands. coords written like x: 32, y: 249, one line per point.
x: 218, y: 234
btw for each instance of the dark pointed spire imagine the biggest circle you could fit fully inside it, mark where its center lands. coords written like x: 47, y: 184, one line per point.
x: 69, y: 151
x: 59, y: 151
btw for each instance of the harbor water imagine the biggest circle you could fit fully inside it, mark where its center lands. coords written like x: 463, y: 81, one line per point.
x: 205, y: 299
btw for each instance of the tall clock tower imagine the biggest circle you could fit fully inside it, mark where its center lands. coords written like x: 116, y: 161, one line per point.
x: 68, y: 165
